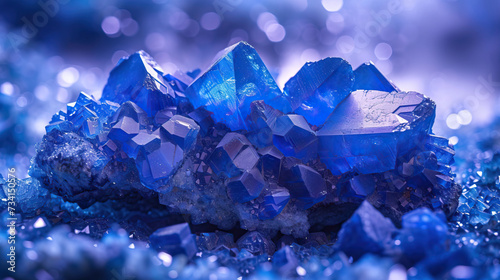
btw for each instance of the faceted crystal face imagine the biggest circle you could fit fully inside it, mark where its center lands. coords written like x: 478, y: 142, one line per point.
x: 124, y: 129
x: 237, y: 78
x: 174, y: 240
x: 305, y: 184
x: 245, y: 187
x: 256, y: 243
x: 368, y: 130
x: 180, y: 130
x: 316, y: 90
x: 293, y: 137
x: 274, y: 202
x: 368, y: 77
x: 233, y: 155
x: 367, y: 231
x: 139, y: 79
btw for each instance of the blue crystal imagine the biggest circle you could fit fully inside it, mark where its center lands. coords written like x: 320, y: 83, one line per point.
x: 270, y: 161
x: 245, y: 187
x: 255, y: 170
x: 212, y: 240
x: 124, y: 130
x: 256, y: 243
x: 164, y: 115
x: 64, y: 126
x: 260, y: 121
x: 305, y: 184
x: 316, y: 90
x: 131, y: 110
x: 144, y: 142
x: 139, y: 79
x: 275, y: 201
x: 293, y: 137
x: 368, y: 77
x: 176, y: 239
x: 423, y: 234
x: 160, y: 163
x: 203, y: 117
x: 180, y: 130
x: 367, y: 231
x: 368, y: 131
x: 362, y: 185
x: 237, y: 78
x: 233, y: 154
x: 285, y: 261
x: 91, y: 127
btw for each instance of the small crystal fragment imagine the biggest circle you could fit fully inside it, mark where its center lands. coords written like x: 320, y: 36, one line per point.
x: 174, y: 240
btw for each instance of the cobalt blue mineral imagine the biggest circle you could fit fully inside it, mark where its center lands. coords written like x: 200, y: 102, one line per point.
x: 256, y: 243
x: 368, y: 131
x: 327, y: 170
x: 316, y: 90
x: 293, y: 137
x: 233, y: 155
x: 368, y: 77
x: 176, y: 239
x: 139, y: 79
x: 305, y: 184
x: 237, y: 77
x: 245, y: 187
x: 423, y: 234
x: 367, y: 231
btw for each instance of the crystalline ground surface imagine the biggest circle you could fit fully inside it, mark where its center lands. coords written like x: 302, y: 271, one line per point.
x: 249, y: 168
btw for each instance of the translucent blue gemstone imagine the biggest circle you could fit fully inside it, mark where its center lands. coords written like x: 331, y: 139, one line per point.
x: 270, y: 161
x: 293, y: 137
x: 131, y: 110
x: 84, y: 109
x: 368, y: 77
x: 285, y: 261
x: 367, y: 231
x: 139, y: 79
x: 109, y: 148
x: 124, y: 130
x: 256, y: 243
x: 159, y: 163
x: 174, y: 240
x: 362, y: 185
x: 316, y: 90
x: 275, y: 201
x: 245, y: 187
x: 237, y: 78
x: 423, y: 234
x: 203, y: 117
x: 305, y: 184
x: 212, y: 240
x: 164, y: 115
x: 180, y: 130
x: 179, y: 82
x: 63, y: 126
x: 261, y: 115
x: 233, y: 155
x: 145, y: 142
x: 91, y: 127
x: 260, y: 120
x: 370, y: 128
x: 441, y: 148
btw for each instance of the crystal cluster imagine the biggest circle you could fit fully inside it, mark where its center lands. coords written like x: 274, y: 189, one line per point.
x: 224, y: 165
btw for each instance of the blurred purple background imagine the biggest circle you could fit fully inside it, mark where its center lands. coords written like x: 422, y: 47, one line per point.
x: 51, y: 50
